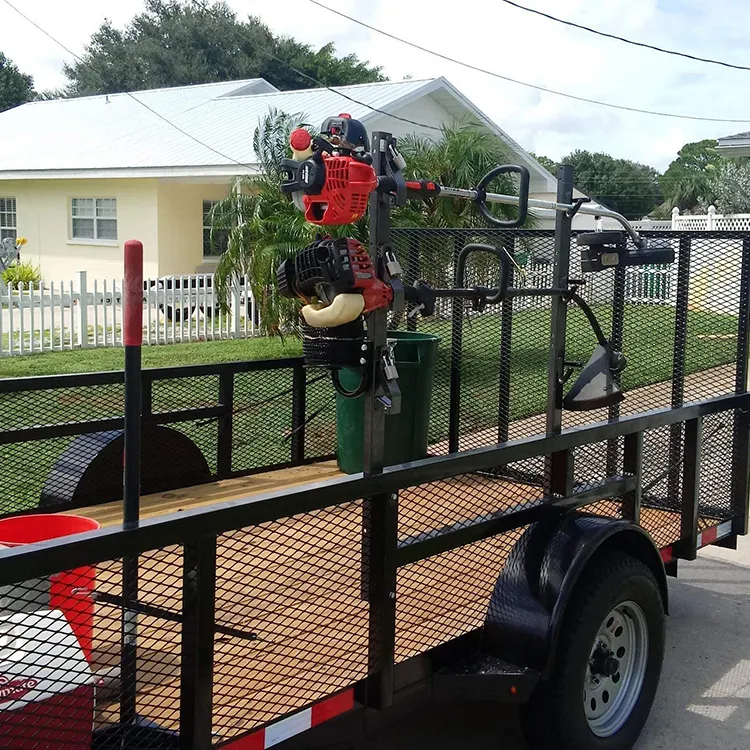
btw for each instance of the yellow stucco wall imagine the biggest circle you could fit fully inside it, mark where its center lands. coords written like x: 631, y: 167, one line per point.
x: 181, y: 224
x: 43, y: 217
x: 166, y: 215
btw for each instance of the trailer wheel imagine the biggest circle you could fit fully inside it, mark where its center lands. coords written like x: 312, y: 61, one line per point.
x: 609, y: 661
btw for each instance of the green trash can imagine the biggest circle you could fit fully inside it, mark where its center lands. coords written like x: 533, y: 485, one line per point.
x: 415, y: 355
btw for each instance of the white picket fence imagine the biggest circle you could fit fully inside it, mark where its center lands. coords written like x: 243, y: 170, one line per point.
x: 82, y: 314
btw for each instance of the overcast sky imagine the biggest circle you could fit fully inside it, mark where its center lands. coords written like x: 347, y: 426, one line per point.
x: 498, y: 37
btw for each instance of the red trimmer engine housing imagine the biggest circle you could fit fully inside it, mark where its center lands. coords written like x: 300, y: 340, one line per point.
x: 345, y: 192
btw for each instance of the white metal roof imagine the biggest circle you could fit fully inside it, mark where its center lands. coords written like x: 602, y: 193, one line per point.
x: 117, y: 132
x: 197, y: 131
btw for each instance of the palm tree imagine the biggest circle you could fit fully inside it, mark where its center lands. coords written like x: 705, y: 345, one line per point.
x: 459, y: 157
x: 263, y: 226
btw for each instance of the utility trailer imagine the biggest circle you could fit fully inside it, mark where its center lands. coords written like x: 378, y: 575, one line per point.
x: 277, y: 599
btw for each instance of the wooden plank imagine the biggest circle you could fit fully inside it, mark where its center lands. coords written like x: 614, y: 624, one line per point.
x: 212, y: 493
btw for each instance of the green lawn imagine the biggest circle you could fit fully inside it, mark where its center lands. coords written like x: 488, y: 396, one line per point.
x: 169, y: 355
x: 263, y: 405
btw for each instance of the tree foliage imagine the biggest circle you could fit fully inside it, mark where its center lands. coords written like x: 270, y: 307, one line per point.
x: 15, y: 87
x: 549, y: 164
x: 183, y: 42
x: 625, y: 186
x: 688, y: 179
x: 459, y: 157
x: 730, y: 186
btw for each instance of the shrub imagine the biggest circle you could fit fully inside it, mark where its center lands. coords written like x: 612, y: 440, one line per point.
x: 22, y: 273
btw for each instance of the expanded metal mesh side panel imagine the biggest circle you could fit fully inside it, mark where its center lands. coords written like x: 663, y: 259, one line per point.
x: 714, y: 300
x: 716, y: 459
x: 501, y: 354
x: 184, y: 393
x: 458, y: 502
x: 293, y: 586
x: 595, y: 463
x: 320, y: 415
x: 262, y: 421
x: 662, y: 467
x: 25, y: 468
x: 445, y: 596
x: 54, y: 406
x: 60, y: 653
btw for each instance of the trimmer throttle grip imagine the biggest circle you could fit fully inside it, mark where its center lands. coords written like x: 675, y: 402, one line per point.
x: 422, y: 189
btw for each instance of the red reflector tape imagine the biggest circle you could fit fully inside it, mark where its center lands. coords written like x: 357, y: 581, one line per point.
x: 666, y: 554
x: 295, y: 724
x: 709, y: 536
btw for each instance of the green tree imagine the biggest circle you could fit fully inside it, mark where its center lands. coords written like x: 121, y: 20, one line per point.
x: 549, y: 164
x: 625, y: 186
x: 730, y: 186
x: 688, y: 179
x: 182, y: 42
x: 15, y: 87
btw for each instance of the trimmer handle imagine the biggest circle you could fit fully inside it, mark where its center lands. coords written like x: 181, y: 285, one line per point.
x: 523, y: 195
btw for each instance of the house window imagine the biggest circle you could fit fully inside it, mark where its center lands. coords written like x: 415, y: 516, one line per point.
x: 93, y: 218
x: 221, y: 238
x: 8, y: 219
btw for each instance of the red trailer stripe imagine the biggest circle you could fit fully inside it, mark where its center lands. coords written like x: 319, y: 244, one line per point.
x: 295, y: 724
x: 708, y: 536
x: 332, y: 707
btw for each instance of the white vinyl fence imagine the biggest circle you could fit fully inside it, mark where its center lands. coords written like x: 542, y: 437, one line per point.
x: 67, y: 315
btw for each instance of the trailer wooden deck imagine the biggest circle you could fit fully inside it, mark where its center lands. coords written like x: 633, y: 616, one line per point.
x: 294, y: 584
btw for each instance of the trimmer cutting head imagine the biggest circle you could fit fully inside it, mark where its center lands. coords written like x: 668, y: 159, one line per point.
x: 595, y: 387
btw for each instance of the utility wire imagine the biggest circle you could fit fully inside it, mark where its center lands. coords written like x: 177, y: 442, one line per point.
x: 205, y: 145
x: 623, y: 39
x: 524, y: 83
x: 127, y: 93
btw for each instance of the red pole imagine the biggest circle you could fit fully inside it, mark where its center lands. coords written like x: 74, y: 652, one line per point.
x: 132, y: 334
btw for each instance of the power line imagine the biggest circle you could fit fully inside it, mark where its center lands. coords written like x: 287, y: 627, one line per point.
x: 205, y: 145
x: 127, y: 93
x: 524, y: 83
x: 623, y: 39
x: 351, y: 98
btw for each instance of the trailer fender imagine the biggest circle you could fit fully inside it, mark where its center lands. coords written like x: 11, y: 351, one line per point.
x: 531, y: 594
x: 89, y: 471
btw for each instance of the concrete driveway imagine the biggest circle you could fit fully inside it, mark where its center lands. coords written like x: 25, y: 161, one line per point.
x: 704, y: 697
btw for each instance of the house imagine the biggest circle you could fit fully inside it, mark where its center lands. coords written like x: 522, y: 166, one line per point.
x: 80, y: 176
x: 734, y: 145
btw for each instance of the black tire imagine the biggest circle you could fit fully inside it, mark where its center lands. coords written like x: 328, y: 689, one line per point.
x: 599, y: 238
x: 555, y: 715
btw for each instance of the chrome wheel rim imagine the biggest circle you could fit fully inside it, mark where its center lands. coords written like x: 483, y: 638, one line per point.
x: 616, y: 669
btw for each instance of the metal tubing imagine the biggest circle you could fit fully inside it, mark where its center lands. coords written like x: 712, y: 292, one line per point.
x: 558, y: 470
x: 691, y: 472
x: 379, y: 512
x: 633, y: 464
x: 412, y: 274
x: 562, y: 205
x: 741, y: 436
x: 457, y: 311
x: 616, y: 341
x: 226, y: 424
x: 299, y: 410
x: 197, y: 644
x: 506, y: 338
x: 678, y: 364
x: 132, y: 325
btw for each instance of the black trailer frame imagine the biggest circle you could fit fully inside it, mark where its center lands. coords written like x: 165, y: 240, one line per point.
x: 191, y: 536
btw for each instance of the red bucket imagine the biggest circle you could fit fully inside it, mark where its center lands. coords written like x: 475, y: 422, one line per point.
x: 71, y: 591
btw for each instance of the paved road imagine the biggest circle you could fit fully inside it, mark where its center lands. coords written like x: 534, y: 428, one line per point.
x: 704, y: 698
